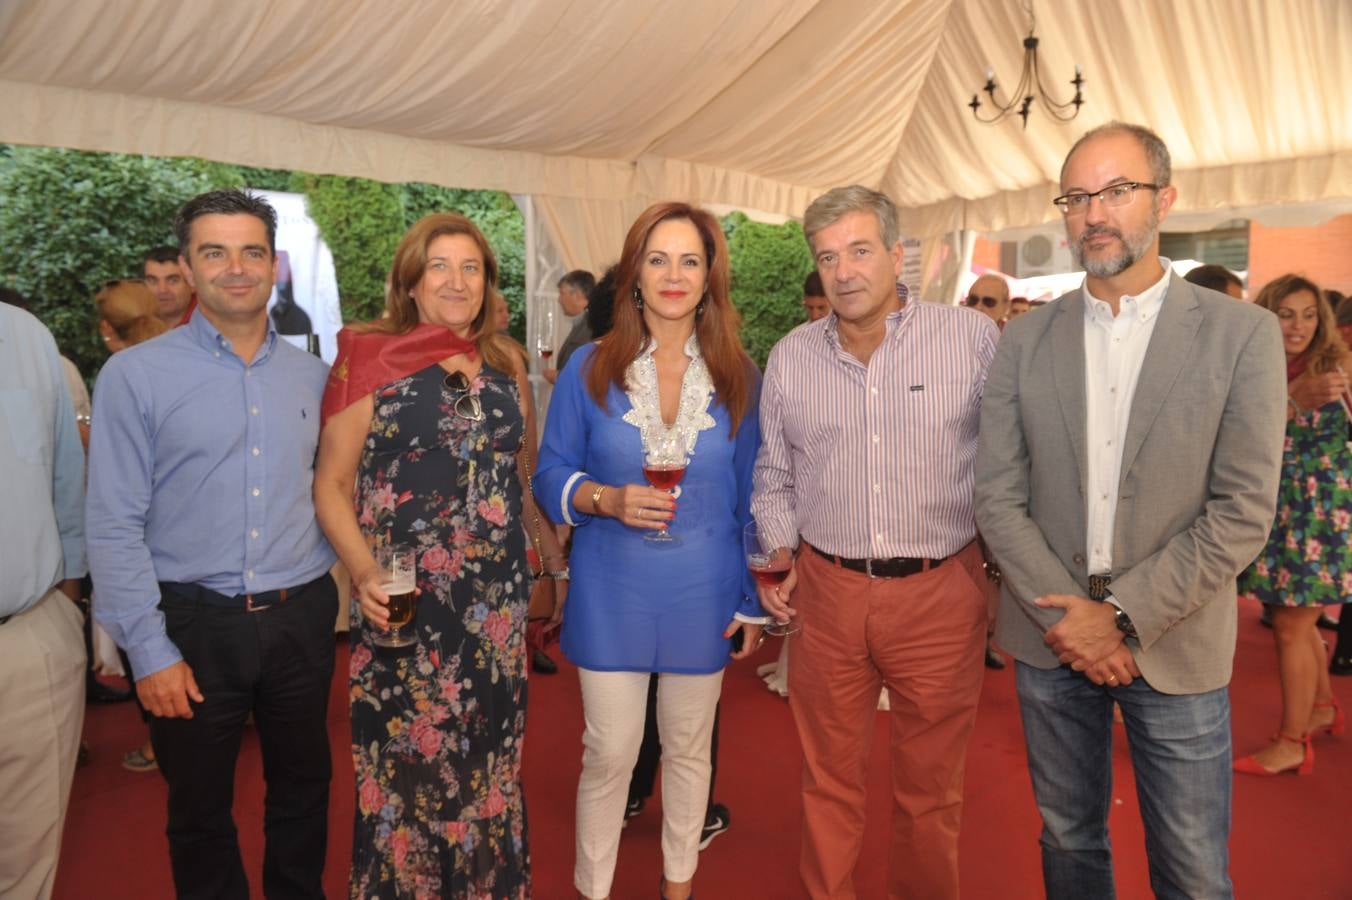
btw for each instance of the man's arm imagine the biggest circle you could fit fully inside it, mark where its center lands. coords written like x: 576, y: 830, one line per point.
x: 1245, y: 472
x: 68, y: 478
x: 120, y: 483
x: 1029, y: 566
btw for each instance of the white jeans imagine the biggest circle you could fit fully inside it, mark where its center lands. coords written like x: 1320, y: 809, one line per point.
x: 613, y: 704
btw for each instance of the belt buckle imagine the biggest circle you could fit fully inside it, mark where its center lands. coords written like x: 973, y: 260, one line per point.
x: 249, y: 605
x: 868, y: 567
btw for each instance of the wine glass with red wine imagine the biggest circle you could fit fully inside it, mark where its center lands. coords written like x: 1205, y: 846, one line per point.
x: 769, y: 566
x: 664, y: 467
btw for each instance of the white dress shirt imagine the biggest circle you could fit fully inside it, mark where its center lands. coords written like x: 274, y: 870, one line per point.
x: 1114, y: 350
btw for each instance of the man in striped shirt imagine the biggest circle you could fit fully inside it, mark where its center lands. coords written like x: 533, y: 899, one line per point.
x: 869, y: 420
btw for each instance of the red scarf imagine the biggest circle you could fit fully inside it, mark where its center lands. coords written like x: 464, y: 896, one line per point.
x: 369, y: 359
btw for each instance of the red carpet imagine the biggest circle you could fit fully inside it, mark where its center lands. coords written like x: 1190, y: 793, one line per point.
x: 1290, y: 839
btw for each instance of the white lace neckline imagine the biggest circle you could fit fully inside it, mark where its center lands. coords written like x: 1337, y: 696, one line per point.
x: 692, y: 416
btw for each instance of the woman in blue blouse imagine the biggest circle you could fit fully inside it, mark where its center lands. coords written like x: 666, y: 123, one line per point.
x: 671, y: 368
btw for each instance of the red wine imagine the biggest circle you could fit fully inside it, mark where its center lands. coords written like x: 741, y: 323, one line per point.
x: 664, y: 477
x: 546, y: 354
x: 771, y: 575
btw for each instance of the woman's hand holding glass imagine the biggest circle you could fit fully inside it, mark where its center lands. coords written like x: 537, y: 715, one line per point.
x: 638, y: 505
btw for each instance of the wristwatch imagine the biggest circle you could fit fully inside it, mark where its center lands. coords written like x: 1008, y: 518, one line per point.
x: 560, y: 575
x: 1124, y: 622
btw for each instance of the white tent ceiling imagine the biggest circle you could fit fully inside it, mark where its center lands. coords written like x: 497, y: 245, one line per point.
x: 597, y: 107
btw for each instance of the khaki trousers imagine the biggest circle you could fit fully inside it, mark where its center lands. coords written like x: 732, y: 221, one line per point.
x: 42, y: 673
x: 921, y: 636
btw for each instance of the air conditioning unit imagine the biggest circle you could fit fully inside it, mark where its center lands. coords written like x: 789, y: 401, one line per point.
x: 1043, y: 253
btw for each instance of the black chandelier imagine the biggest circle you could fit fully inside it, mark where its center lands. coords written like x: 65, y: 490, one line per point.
x: 1029, y: 81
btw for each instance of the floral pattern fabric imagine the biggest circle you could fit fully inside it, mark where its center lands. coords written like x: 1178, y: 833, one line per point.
x: 1308, y: 557
x: 437, y: 732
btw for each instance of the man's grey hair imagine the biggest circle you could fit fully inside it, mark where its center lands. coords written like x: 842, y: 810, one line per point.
x: 1156, y: 154
x: 227, y: 202
x: 838, y: 202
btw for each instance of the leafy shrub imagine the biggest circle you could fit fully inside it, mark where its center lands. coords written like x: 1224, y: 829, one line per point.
x: 72, y: 220
x: 769, y: 263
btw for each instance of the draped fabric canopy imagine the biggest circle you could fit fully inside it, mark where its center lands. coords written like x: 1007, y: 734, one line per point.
x: 598, y: 107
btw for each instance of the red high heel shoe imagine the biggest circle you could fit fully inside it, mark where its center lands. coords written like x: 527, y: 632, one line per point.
x: 1339, y: 723
x: 1249, y: 765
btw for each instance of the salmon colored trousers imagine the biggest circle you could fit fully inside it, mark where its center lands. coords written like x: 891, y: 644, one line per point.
x: 923, y: 637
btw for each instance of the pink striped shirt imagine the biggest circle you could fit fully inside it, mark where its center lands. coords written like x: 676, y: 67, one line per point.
x: 874, y: 461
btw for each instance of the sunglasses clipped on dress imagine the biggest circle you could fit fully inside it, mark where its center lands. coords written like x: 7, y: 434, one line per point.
x: 467, y: 405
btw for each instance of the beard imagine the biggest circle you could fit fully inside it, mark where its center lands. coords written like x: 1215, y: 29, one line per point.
x: 1134, y: 246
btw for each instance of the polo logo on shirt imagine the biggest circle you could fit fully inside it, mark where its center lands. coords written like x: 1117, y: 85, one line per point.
x: 302, y: 412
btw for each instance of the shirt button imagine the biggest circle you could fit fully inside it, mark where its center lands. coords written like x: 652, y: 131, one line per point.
x: 217, y: 354
x: 254, y: 534
x: 253, y: 410
x: 256, y: 451
x: 877, y: 488
x: 879, y: 536
x: 876, y: 439
x: 249, y: 574
x: 1105, y: 497
x: 873, y: 391
x: 248, y: 373
x: 256, y: 492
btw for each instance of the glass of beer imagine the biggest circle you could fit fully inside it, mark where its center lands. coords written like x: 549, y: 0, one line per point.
x: 399, y: 581
x: 769, y: 566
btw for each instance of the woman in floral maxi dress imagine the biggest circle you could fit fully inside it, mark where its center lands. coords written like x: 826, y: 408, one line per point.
x: 428, y: 445
x: 1307, y: 563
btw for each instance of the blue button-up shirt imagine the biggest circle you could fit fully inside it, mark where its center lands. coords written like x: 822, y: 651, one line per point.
x: 200, y: 471
x: 41, y: 467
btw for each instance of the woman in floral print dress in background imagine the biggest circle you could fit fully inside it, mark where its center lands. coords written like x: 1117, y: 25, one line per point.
x: 1307, y: 563
x: 428, y: 426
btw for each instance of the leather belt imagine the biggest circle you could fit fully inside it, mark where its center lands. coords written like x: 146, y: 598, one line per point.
x: 246, y: 602
x: 1098, y: 587
x: 895, y: 567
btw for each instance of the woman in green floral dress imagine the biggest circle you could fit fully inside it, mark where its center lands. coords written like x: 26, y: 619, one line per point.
x: 1307, y: 563
x: 427, y: 417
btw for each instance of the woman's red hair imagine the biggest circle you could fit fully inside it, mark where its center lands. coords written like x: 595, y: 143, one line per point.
x: 716, y: 327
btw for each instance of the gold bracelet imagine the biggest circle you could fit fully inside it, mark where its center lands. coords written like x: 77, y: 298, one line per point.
x: 596, y: 498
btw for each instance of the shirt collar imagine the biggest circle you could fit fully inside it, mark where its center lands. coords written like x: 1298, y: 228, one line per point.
x: 1144, y: 306
x: 209, y: 337
x: 893, y: 321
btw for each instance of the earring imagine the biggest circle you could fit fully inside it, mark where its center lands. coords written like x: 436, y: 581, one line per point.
x: 638, y: 299
x: 699, y: 308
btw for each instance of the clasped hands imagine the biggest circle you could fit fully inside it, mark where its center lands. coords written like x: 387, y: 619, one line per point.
x: 1087, y: 637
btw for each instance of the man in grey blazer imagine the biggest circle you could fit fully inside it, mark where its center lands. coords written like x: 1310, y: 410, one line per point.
x: 1131, y: 444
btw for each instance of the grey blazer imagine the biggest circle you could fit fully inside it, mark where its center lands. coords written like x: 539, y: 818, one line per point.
x: 1200, y: 468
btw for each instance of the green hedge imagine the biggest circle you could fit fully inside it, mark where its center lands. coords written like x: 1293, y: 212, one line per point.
x: 72, y: 219
x: 769, y: 263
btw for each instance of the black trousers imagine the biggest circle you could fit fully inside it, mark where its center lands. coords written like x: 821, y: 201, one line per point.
x: 276, y: 664
x: 644, y: 776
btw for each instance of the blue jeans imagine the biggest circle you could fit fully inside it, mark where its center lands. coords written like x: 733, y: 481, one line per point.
x: 1180, y: 750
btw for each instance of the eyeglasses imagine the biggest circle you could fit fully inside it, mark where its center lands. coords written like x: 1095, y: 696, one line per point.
x: 1076, y: 203
x: 467, y: 405
x: 988, y: 302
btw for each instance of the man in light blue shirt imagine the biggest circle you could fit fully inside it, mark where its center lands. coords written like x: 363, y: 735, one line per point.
x: 42, y: 557
x: 211, y: 570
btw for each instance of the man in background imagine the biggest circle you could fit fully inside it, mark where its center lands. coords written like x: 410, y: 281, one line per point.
x: 815, y: 304
x: 990, y: 294
x: 574, y: 289
x: 165, y: 280
x: 1217, y: 278
x: 42, y: 556
x: 1017, y: 307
